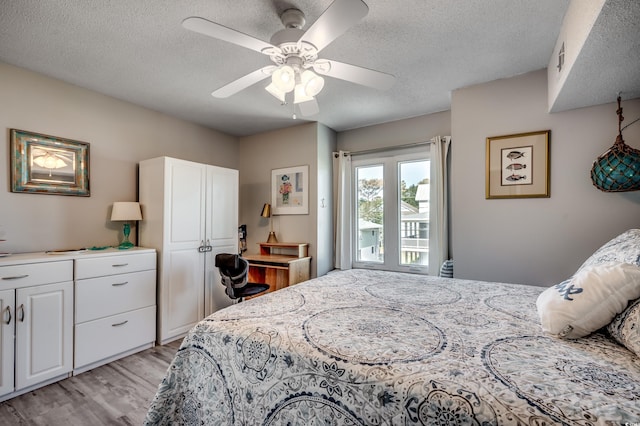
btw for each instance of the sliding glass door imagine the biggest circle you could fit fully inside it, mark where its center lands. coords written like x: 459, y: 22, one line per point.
x: 392, y: 211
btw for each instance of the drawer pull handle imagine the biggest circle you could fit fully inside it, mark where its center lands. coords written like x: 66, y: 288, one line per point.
x: 17, y: 277
x: 8, y: 310
x: 119, y: 265
x: 21, y: 309
x: 119, y: 284
x: 120, y: 323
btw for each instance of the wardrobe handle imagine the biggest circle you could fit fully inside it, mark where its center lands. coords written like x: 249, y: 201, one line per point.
x: 119, y: 284
x: 204, y: 248
x: 119, y: 265
x: 17, y: 277
x: 120, y: 323
x: 8, y: 309
x: 21, y: 309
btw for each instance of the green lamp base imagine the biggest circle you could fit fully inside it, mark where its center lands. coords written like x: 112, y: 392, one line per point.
x: 126, y: 244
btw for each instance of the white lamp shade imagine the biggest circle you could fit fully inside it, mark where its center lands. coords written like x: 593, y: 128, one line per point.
x: 284, y: 78
x: 312, y: 83
x: 126, y: 210
x: 300, y: 95
x: 277, y: 93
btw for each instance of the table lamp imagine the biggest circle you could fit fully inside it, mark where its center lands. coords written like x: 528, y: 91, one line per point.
x: 266, y: 212
x: 126, y: 211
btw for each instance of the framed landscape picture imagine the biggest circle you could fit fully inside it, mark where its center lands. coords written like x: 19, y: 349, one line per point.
x: 43, y: 164
x: 290, y: 190
x: 517, y: 166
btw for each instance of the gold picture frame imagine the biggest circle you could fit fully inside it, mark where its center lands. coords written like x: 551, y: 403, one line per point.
x: 43, y: 164
x: 517, y: 166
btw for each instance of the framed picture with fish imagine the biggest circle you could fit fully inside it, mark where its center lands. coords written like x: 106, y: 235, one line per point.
x: 518, y: 165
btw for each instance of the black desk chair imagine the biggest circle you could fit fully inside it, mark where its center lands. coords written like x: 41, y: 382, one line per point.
x: 233, y: 272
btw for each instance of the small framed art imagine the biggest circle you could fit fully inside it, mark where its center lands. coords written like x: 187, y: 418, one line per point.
x: 43, y: 164
x: 290, y: 190
x: 517, y: 166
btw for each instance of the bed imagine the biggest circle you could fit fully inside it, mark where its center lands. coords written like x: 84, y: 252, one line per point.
x: 365, y: 347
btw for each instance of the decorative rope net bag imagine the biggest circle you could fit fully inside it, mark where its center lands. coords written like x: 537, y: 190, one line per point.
x: 618, y: 169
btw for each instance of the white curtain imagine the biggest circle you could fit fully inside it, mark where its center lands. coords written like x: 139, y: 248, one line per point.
x: 438, y: 206
x: 342, y: 201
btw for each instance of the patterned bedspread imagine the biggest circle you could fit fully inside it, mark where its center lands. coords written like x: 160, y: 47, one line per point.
x: 365, y: 347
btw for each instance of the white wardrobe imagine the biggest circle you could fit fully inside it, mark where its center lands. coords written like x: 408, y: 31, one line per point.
x: 190, y: 213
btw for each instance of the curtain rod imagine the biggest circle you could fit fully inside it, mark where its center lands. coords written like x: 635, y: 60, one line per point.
x: 386, y: 148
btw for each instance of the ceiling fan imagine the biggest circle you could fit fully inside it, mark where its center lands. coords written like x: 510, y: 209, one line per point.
x: 294, y: 53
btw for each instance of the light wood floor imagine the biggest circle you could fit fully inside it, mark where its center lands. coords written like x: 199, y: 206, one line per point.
x: 118, y: 393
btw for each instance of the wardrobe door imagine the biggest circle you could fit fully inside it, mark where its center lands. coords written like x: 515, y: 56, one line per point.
x: 221, y: 230
x: 182, y: 290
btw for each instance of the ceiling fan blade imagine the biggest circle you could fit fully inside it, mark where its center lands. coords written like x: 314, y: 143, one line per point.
x: 359, y: 75
x: 338, y: 18
x: 211, y: 29
x: 243, y: 82
x: 309, y: 108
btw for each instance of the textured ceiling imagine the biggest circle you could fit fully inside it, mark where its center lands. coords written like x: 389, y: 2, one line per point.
x: 137, y: 51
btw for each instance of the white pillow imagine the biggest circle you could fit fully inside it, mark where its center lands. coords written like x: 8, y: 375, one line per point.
x: 589, y: 300
x: 625, y: 327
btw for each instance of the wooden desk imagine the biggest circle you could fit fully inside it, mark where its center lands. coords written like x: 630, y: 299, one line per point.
x: 279, y: 270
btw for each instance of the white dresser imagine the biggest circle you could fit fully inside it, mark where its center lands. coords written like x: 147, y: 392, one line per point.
x: 65, y: 314
x: 115, y: 306
x: 36, y: 298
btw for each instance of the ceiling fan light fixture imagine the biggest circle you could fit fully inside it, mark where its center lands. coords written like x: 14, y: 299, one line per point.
x: 300, y: 95
x: 277, y: 93
x: 284, y: 78
x: 311, y: 82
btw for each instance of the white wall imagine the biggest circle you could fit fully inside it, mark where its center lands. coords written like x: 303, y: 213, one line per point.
x: 258, y: 155
x: 325, y: 252
x: 577, y: 24
x: 401, y: 132
x: 533, y: 241
x: 120, y: 134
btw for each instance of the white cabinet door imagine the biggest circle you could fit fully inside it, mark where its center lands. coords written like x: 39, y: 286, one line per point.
x: 181, y: 292
x: 221, y: 229
x: 215, y: 296
x: 185, y: 204
x: 44, y: 333
x: 222, y: 206
x: 7, y: 327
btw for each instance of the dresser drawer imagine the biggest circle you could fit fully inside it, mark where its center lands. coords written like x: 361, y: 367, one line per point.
x: 28, y: 274
x: 105, y: 296
x: 108, y: 265
x: 99, y: 339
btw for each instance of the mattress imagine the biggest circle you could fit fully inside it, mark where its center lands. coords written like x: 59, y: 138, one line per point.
x: 364, y: 347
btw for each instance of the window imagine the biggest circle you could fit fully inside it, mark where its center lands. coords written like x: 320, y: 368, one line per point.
x: 392, y: 211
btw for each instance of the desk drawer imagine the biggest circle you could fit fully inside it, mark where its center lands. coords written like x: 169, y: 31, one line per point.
x: 100, y: 339
x: 15, y: 276
x: 105, y: 296
x: 110, y: 265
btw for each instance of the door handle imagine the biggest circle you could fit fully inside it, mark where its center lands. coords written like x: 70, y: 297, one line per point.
x: 119, y: 265
x: 8, y: 310
x: 204, y: 248
x: 21, y: 309
x: 120, y: 323
x: 119, y: 284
